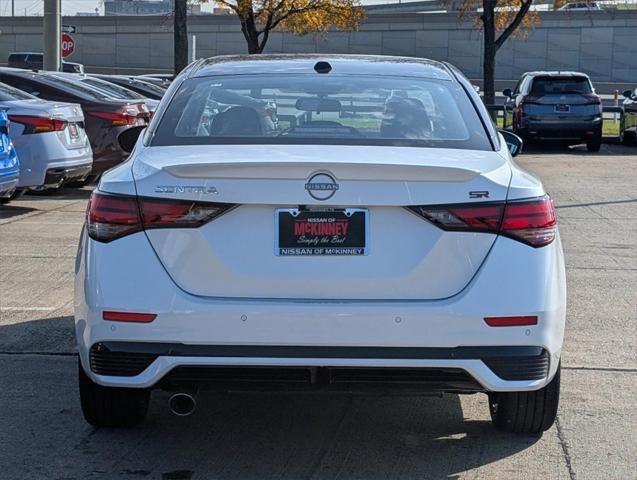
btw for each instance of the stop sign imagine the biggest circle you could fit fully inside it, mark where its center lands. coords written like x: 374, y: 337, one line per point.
x: 68, y: 45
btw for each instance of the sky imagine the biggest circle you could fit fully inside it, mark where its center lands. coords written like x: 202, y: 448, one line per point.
x: 71, y: 7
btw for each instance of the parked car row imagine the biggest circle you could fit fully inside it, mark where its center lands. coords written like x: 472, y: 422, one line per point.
x: 563, y: 106
x: 628, y: 125
x: 67, y: 128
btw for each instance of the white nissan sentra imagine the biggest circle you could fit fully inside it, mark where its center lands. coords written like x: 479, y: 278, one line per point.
x: 320, y: 223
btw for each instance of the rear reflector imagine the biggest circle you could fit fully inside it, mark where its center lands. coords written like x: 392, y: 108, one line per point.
x: 129, y: 317
x: 530, y: 221
x: 109, y: 217
x: 511, y: 321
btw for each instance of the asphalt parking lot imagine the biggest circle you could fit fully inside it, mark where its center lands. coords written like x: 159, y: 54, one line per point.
x: 43, y: 435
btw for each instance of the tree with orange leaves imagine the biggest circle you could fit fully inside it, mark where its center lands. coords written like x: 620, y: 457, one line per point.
x: 260, y: 17
x: 499, y: 20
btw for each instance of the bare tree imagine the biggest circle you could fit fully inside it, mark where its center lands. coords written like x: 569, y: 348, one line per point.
x: 499, y: 20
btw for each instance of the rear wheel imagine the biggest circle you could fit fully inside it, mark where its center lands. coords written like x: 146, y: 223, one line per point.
x: 626, y: 138
x: 594, y: 144
x: 111, y: 406
x: 526, y: 412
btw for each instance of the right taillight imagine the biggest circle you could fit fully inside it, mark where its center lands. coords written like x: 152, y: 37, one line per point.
x: 136, y: 114
x: 531, y: 221
x: 109, y: 217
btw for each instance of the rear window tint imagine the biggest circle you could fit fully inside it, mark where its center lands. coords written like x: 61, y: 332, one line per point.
x: 9, y: 93
x: 76, y: 88
x: 326, y: 109
x: 560, y: 85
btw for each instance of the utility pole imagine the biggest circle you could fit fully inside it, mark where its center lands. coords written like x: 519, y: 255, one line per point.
x: 13, y: 8
x: 180, y: 29
x: 52, y: 33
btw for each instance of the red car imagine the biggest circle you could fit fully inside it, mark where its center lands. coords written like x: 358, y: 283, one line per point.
x: 108, y: 121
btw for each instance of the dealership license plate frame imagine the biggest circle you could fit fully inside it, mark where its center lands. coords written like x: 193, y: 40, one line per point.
x: 562, y: 108
x: 295, y: 212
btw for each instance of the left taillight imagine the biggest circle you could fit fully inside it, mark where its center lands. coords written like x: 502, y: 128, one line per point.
x: 34, y: 124
x: 110, y: 217
x: 531, y: 221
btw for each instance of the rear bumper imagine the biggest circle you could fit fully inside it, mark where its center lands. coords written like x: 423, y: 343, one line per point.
x: 8, y: 184
x: 58, y: 175
x: 191, y: 331
x: 577, y: 129
x: 249, y: 367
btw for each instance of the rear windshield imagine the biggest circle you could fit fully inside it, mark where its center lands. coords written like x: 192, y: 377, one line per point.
x: 112, y: 89
x: 147, y: 86
x: 321, y: 109
x: 9, y: 93
x: 77, y: 88
x: 560, y: 85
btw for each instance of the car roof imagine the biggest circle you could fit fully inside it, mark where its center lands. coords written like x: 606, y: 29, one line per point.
x: 305, y: 63
x: 554, y: 73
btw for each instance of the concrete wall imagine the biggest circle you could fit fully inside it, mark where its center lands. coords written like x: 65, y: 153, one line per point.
x: 603, y: 44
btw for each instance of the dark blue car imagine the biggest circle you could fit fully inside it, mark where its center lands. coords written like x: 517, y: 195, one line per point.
x: 9, y: 164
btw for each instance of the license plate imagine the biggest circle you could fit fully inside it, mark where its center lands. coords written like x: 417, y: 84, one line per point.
x: 562, y: 108
x: 321, y: 232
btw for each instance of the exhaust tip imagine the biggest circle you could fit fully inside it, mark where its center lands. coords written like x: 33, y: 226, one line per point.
x: 182, y: 404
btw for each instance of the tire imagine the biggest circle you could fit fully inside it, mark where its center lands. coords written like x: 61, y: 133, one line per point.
x: 526, y: 412
x: 17, y: 193
x: 594, y: 144
x: 628, y: 139
x: 111, y: 406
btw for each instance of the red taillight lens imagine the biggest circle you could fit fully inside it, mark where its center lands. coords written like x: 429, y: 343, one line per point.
x: 136, y: 114
x: 474, y: 218
x: 113, y: 216
x: 530, y: 221
x: 160, y: 213
x: 34, y: 124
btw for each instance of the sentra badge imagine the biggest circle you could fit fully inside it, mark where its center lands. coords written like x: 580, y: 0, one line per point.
x: 205, y: 190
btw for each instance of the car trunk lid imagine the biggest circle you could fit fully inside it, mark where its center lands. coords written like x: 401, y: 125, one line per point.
x: 239, y: 253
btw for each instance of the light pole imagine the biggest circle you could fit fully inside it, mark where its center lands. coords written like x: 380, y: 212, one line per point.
x: 52, y: 32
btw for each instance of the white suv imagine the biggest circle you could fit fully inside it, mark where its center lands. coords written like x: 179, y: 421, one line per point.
x: 381, y: 240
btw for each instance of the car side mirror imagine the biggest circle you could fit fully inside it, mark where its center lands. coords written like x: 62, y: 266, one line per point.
x: 507, y: 93
x: 514, y: 143
x: 628, y: 94
x: 128, y: 138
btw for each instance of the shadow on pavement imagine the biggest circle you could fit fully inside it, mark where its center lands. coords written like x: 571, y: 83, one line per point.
x: 9, y: 211
x: 233, y: 436
x: 49, y: 335
x: 61, y: 194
